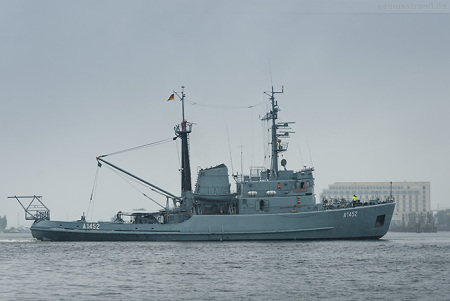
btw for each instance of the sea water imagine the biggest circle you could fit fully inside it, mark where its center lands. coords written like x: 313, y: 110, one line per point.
x: 401, y: 266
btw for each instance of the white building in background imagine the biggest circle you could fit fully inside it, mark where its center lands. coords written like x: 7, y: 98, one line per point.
x: 410, y: 197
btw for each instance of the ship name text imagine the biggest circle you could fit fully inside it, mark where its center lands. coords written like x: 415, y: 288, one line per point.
x: 91, y: 226
x: 351, y: 214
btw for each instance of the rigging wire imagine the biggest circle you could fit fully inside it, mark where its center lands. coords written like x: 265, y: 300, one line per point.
x: 223, y: 106
x: 94, y: 189
x: 229, y: 148
x: 310, y: 156
x: 265, y: 142
x: 127, y: 179
x: 301, y: 156
x: 139, y: 147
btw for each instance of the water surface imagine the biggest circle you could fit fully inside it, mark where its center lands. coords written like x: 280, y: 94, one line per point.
x: 401, y: 266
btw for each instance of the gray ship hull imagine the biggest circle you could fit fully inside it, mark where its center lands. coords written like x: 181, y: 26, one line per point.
x: 365, y: 222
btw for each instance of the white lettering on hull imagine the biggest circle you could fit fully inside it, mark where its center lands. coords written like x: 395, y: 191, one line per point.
x: 91, y: 226
x: 350, y: 214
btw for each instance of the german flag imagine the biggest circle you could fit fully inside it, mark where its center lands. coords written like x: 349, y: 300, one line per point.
x: 171, y: 97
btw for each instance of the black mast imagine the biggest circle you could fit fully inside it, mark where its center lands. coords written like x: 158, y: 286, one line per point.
x: 186, y: 184
x: 182, y: 131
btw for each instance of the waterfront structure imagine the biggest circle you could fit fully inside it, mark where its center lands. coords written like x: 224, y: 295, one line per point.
x: 410, y: 197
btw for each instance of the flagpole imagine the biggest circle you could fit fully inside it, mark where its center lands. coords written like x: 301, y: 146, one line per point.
x: 183, y: 126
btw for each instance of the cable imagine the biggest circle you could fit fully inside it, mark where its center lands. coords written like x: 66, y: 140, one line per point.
x: 94, y: 189
x: 222, y: 106
x: 138, y: 147
x: 126, y: 179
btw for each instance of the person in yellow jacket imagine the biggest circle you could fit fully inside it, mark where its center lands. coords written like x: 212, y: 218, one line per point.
x: 354, y: 199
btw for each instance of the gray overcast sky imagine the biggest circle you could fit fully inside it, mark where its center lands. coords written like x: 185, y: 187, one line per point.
x: 367, y: 83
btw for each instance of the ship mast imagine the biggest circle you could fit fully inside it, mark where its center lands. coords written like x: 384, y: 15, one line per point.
x: 277, y: 146
x: 182, y: 131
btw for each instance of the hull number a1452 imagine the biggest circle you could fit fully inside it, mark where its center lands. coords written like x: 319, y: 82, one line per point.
x: 351, y: 214
x: 91, y: 226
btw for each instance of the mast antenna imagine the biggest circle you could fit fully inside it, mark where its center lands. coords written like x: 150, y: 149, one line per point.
x: 270, y: 71
x: 275, y: 141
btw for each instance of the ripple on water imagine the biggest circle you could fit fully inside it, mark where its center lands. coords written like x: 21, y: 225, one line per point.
x: 402, y: 266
